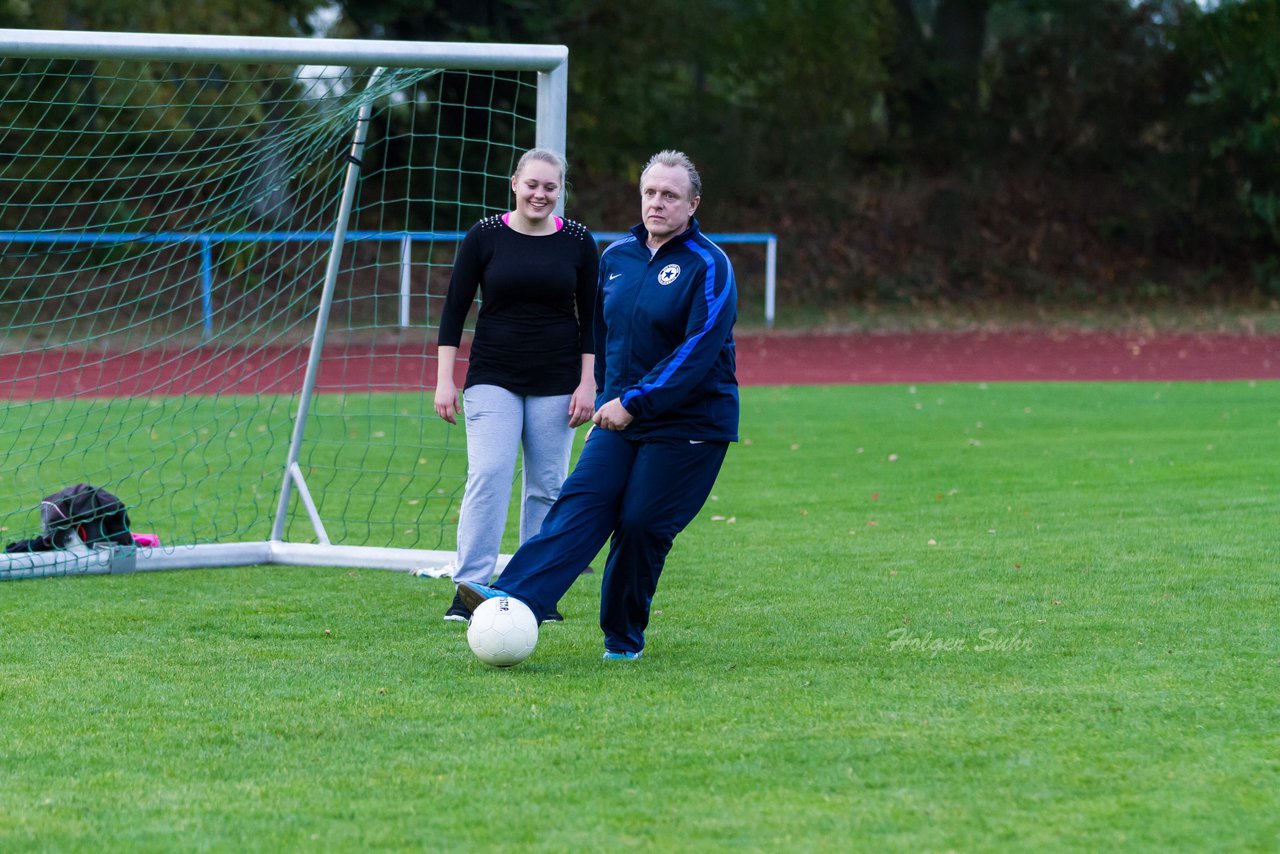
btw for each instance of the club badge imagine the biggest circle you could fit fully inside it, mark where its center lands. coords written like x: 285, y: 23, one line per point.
x: 668, y: 274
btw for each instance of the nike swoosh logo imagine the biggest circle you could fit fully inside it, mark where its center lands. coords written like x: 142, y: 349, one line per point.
x: 614, y: 276
x: 696, y: 441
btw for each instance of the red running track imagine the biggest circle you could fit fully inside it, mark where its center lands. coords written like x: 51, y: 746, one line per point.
x: 1004, y: 357
x: 762, y: 360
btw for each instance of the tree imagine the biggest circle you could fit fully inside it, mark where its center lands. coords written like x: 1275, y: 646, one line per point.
x: 238, y: 17
x: 759, y: 92
x: 1229, y: 132
x: 446, y: 20
x: 936, y: 62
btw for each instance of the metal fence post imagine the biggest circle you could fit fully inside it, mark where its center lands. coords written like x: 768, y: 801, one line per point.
x: 206, y: 284
x: 770, y: 280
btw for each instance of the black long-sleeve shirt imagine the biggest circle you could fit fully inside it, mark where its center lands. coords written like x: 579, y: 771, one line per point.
x: 537, y: 299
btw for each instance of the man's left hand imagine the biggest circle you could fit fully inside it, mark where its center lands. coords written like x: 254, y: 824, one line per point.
x: 613, y: 416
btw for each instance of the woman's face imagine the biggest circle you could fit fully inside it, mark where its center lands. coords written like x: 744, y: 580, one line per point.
x: 537, y: 188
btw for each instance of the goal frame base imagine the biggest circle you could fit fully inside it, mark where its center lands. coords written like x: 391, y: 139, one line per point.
x: 121, y: 560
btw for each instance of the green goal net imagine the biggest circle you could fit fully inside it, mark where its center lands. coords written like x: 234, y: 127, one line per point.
x: 220, y: 272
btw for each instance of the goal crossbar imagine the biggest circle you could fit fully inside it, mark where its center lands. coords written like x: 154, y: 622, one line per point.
x: 72, y: 44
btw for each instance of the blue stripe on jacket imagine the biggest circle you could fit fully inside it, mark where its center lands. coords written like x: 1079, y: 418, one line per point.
x: 715, y: 306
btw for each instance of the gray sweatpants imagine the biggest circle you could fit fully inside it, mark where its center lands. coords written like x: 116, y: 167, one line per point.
x: 499, y: 425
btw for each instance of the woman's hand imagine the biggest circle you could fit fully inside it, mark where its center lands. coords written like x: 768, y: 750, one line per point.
x: 447, y: 401
x: 446, y: 388
x: 582, y: 404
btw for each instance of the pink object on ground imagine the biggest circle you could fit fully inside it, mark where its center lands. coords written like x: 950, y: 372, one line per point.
x: 150, y: 540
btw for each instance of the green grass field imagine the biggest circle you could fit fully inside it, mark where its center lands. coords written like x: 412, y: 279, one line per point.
x: 1011, y: 617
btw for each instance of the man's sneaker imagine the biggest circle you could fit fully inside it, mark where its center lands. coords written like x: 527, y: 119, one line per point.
x: 553, y: 616
x: 609, y: 655
x: 458, y: 612
x: 473, y: 594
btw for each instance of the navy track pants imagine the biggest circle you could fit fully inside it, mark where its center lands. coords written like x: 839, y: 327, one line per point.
x: 639, y: 492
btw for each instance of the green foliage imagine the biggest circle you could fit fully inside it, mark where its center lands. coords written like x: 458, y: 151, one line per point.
x: 970, y: 618
x: 1080, y: 85
x: 935, y: 61
x: 247, y: 17
x: 631, y: 95
x: 1231, y: 123
x: 744, y: 87
x: 816, y: 70
x: 446, y: 20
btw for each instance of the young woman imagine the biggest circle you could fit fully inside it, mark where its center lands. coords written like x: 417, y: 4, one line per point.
x: 531, y: 375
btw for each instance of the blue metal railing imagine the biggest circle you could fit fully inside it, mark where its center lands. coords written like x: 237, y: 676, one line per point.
x: 406, y: 239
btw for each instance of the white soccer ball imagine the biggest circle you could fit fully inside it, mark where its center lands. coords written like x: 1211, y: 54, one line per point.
x: 502, y: 631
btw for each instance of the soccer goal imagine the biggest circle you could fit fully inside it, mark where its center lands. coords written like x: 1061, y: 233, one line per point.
x: 221, y: 265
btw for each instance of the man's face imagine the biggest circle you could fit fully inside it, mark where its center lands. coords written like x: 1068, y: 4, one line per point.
x: 667, y: 202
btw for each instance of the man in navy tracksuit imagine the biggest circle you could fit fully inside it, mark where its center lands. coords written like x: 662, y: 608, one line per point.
x: 666, y: 411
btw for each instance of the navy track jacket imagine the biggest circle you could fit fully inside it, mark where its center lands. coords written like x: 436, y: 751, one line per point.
x: 664, y: 337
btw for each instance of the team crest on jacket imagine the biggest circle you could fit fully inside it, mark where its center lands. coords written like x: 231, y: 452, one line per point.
x: 668, y: 274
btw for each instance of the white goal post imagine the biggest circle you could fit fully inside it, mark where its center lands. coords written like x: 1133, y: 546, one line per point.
x: 284, y: 414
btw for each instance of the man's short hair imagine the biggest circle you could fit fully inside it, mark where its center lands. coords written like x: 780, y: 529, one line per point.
x: 671, y: 157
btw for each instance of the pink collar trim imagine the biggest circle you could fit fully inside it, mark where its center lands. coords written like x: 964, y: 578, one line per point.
x: 506, y: 220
